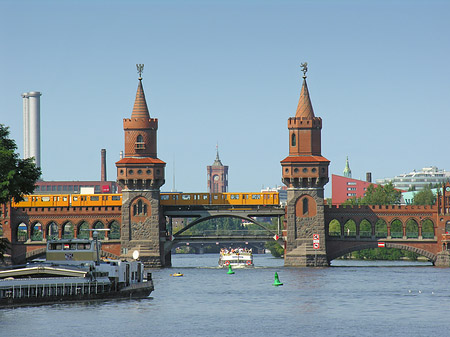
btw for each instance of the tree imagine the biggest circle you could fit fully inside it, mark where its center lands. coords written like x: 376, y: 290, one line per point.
x: 380, y: 195
x: 17, y: 176
x: 424, y: 197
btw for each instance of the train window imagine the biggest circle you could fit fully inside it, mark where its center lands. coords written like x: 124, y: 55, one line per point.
x: 64, y: 198
x: 216, y: 197
x: 25, y: 199
x: 164, y: 197
x: 186, y: 197
x: 94, y: 198
x: 75, y: 198
x: 55, y: 246
x: 205, y: 197
x: 46, y: 199
x: 256, y: 196
x: 234, y: 196
x: 115, y: 197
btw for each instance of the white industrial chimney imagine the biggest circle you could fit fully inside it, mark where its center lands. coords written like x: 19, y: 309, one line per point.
x: 32, y: 126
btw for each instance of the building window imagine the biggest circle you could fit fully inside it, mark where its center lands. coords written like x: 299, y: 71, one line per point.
x: 351, y: 194
x: 293, y: 140
x: 351, y: 183
x: 305, y: 206
x: 140, y: 145
x: 140, y: 208
x: 351, y: 188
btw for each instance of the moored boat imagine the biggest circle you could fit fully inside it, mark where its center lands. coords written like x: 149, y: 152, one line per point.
x: 236, y: 258
x: 73, y: 271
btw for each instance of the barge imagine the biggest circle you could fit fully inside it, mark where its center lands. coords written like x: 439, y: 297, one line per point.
x: 73, y: 272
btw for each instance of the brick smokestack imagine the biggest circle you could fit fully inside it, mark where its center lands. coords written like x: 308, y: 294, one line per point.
x: 103, y: 173
x: 369, y: 177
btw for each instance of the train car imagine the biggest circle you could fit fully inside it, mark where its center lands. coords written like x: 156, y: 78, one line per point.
x: 260, y: 198
x: 57, y: 200
x: 94, y: 200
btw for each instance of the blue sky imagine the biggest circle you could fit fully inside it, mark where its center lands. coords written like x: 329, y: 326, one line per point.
x: 228, y: 72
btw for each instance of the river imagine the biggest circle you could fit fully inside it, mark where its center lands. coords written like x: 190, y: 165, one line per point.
x: 351, y: 298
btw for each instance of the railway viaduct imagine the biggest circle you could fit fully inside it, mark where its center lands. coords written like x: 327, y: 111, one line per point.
x: 313, y: 233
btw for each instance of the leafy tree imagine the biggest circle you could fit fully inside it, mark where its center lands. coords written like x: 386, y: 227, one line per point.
x: 424, y: 197
x: 275, y: 248
x: 17, y: 176
x: 380, y: 195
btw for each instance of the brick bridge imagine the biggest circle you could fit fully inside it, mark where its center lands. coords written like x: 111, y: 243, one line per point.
x: 140, y: 222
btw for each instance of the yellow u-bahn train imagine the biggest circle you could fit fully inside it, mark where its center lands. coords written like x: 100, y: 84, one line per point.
x: 260, y: 198
x: 169, y: 199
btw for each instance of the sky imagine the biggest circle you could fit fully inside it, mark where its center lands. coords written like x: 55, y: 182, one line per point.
x: 228, y: 73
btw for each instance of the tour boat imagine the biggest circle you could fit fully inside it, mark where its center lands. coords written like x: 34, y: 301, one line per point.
x: 236, y: 258
x: 73, y: 271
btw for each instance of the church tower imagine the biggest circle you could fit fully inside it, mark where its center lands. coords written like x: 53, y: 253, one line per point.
x: 305, y: 173
x: 347, y: 172
x: 141, y: 174
x: 217, y: 176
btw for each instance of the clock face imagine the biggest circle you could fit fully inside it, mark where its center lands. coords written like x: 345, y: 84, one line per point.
x: 447, y: 188
x: 216, y: 178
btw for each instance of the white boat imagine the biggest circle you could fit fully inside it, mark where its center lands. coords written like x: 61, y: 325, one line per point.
x: 73, y: 271
x: 236, y: 258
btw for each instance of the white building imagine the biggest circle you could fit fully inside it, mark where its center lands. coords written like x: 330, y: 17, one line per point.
x: 418, y: 179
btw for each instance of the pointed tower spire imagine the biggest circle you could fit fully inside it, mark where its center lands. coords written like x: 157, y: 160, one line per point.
x: 140, y: 109
x: 347, y: 171
x: 217, y: 162
x: 304, y: 108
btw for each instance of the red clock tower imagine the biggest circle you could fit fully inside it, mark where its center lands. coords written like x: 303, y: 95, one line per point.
x: 305, y: 173
x: 217, y: 176
x: 141, y: 174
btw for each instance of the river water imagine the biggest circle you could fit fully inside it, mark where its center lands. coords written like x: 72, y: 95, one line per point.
x: 351, y: 298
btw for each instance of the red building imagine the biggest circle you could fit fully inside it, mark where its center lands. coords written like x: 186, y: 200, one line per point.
x: 217, y: 176
x: 344, y: 188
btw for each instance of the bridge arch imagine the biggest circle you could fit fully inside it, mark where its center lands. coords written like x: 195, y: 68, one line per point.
x: 397, y: 228
x: 37, y: 231
x: 67, y: 230
x: 428, y: 228
x: 381, y: 228
x: 99, y: 225
x: 52, y: 230
x: 412, y: 228
x: 82, y: 230
x: 334, y: 228
x: 214, y: 216
x: 365, y: 228
x: 369, y: 245
x: 21, y: 232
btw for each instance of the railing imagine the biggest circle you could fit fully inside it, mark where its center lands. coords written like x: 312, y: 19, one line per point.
x: 225, y: 232
x: 365, y: 234
x: 381, y: 235
x: 396, y: 235
x: 412, y: 235
x: 427, y: 235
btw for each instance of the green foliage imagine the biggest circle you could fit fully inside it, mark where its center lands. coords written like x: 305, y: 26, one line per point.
x: 380, y: 195
x: 275, y: 248
x: 424, y: 197
x: 17, y: 176
x: 384, y: 254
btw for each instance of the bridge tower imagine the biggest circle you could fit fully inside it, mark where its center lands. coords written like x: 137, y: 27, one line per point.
x: 305, y: 173
x: 141, y: 174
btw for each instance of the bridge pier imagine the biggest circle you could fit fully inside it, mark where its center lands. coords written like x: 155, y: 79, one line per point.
x: 306, y: 244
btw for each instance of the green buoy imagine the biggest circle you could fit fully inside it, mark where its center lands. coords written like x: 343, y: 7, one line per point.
x: 277, y: 281
x: 230, y: 271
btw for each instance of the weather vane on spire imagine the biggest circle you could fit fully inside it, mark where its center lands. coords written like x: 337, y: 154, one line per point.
x: 140, y: 69
x: 304, y: 67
